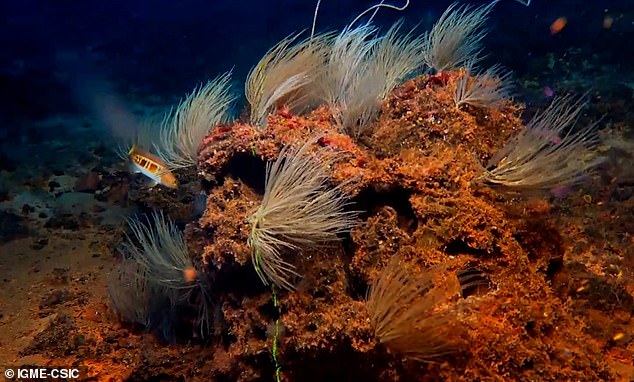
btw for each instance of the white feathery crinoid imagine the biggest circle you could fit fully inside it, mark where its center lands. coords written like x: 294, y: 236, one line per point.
x: 414, y: 313
x: 548, y: 153
x: 299, y: 211
x: 489, y: 89
x: 134, y: 296
x: 184, y: 127
x: 158, y: 263
x: 362, y: 69
x: 456, y: 37
x: 282, y: 76
x: 158, y: 246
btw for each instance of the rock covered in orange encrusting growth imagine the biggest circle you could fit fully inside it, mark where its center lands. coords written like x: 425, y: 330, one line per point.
x: 413, y: 175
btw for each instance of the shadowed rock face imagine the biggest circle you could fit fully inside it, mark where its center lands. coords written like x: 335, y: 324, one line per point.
x: 11, y: 227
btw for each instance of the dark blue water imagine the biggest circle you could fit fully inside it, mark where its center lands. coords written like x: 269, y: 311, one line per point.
x: 165, y: 48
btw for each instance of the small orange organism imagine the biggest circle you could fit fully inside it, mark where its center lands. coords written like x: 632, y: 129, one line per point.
x: 189, y: 274
x: 558, y: 25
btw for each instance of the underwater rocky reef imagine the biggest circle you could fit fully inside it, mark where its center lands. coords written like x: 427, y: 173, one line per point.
x: 382, y: 210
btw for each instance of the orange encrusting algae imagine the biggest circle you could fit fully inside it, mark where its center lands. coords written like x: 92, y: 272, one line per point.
x: 414, y: 171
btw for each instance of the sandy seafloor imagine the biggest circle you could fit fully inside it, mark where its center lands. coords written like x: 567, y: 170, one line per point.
x: 65, y: 197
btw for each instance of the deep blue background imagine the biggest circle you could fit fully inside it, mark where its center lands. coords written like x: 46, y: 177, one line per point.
x: 165, y: 48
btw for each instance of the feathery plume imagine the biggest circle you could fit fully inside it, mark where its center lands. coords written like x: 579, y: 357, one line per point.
x: 362, y: 68
x: 456, y: 37
x: 345, y: 63
x: 411, y: 314
x: 490, y: 89
x: 282, y: 75
x: 392, y: 58
x: 184, y: 127
x: 134, y: 296
x: 547, y: 153
x: 158, y: 248
x: 298, y: 211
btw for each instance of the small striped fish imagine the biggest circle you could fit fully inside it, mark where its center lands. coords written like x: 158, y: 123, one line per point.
x: 152, y: 167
